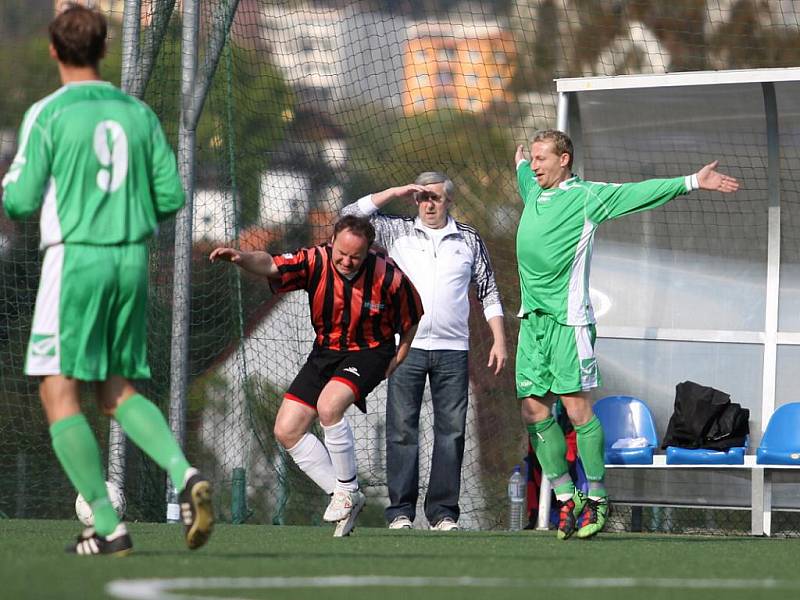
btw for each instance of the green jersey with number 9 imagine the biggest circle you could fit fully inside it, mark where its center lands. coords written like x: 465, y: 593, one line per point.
x: 97, y: 163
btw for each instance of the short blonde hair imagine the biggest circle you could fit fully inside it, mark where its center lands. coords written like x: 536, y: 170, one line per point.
x: 560, y: 140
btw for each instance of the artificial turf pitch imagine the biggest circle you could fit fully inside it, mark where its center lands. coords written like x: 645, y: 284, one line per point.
x: 289, y: 563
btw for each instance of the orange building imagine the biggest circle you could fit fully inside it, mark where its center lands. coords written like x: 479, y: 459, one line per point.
x: 113, y: 9
x: 461, y: 67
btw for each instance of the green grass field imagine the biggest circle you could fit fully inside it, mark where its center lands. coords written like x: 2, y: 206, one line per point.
x: 289, y: 563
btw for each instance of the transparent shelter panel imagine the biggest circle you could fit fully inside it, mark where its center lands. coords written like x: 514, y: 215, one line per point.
x: 650, y: 370
x: 787, y: 387
x: 699, y: 261
x: 788, y: 100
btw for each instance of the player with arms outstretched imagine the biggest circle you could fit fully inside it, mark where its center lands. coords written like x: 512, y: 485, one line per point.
x: 96, y: 162
x: 555, y: 353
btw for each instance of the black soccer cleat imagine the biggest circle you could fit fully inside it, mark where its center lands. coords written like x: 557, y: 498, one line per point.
x: 196, y: 510
x: 89, y: 543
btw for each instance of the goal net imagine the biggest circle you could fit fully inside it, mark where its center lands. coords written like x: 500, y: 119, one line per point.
x: 312, y: 105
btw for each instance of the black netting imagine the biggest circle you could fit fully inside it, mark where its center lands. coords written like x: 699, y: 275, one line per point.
x: 314, y: 104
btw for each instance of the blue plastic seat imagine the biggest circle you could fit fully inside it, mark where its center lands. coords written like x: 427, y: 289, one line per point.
x: 703, y: 456
x: 781, y: 442
x: 626, y: 417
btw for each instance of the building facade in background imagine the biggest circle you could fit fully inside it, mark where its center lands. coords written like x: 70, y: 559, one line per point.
x: 457, y: 65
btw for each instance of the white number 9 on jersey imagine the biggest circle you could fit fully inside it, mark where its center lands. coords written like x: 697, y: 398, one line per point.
x: 111, y: 149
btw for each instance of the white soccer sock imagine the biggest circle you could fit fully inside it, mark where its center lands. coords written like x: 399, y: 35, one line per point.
x: 311, y: 456
x: 342, y: 447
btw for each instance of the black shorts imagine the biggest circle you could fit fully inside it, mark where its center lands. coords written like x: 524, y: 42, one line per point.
x: 360, y: 370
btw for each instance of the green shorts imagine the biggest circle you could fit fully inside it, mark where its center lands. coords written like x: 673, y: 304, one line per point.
x: 90, y: 320
x: 552, y: 357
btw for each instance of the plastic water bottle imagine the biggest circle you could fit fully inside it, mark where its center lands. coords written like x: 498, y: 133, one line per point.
x: 516, y: 499
x: 173, y: 507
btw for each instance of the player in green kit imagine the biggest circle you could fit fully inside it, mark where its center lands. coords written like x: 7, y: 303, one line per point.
x: 555, y: 353
x: 96, y: 162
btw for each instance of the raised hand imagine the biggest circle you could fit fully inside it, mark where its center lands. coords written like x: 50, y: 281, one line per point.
x: 403, y: 192
x: 708, y: 178
x: 519, y: 155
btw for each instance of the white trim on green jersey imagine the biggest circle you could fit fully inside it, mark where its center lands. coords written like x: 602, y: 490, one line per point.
x: 556, y: 234
x: 15, y: 170
x: 579, y: 305
x: 49, y: 225
x: 96, y: 162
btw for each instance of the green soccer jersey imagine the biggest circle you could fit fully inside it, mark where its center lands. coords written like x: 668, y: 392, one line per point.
x: 556, y: 231
x: 96, y: 161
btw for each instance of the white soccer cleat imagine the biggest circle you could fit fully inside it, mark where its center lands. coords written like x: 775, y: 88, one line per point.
x: 342, y: 504
x: 401, y: 522
x: 346, y: 525
x: 446, y: 524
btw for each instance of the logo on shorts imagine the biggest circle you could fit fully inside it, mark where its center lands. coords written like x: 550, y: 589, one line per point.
x: 43, y: 344
x: 374, y: 305
x: 352, y: 370
x: 588, y: 371
x: 525, y: 383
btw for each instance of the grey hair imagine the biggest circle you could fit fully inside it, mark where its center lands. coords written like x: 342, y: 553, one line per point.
x: 429, y: 177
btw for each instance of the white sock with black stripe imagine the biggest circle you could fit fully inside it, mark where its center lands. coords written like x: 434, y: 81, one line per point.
x: 342, y: 448
x: 313, y: 459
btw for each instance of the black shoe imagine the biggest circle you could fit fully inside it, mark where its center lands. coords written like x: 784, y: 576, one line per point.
x: 196, y: 510
x: 89, y: 543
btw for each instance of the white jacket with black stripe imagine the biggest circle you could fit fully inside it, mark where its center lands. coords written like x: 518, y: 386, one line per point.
x: 441, y: 273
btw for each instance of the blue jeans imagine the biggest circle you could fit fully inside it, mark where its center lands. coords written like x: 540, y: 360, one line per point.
x: 449, y: 379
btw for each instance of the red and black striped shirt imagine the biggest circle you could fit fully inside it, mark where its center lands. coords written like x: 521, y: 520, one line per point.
x: 351, y: 314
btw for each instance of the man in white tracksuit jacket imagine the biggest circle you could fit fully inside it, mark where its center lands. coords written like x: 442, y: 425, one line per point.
x: 441, y: 257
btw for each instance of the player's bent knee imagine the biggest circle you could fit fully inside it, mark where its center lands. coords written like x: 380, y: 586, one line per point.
x: 329, y: 414
x: 287, y: 435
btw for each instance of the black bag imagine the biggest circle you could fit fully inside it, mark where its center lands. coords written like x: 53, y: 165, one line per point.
x: 705, y: 417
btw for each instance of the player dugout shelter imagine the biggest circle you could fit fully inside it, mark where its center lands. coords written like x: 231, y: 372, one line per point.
x: 706, y: 288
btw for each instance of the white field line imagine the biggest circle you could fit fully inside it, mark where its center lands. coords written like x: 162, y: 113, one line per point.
x: 168, y: 589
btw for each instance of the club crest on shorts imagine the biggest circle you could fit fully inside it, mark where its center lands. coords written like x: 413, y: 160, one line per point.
x: 43, y: 344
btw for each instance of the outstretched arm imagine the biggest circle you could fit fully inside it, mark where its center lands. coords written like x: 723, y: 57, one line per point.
x: 708, y: 178
x: 258, y: 263
x: 616, y: 200
x: 406, y: 192
x: 387, y: 227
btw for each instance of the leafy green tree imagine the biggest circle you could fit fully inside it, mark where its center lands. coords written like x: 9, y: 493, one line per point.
x: 31, y: 74
x: 244, y: 117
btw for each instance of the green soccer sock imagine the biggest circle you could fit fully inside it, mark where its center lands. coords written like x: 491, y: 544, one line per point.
x: 548, y: 442
x: 592, y: 452
x: 142, y: 421
x: 79, y: 455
